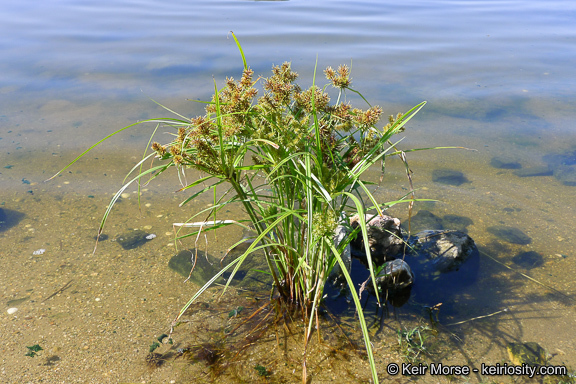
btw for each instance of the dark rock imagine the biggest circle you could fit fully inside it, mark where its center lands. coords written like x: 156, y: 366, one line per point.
x: 510, y: 234
x: 456, y: 222
x: 566, y: 174
x: 384, y: 239
x: 530, y: 353
x: 528, y: 260
x: 399, y: 297
x: 563, y: 166
x: 534, y: 171
x: 505, y: 162
x: 182, y: 263
x: 9, y: 218
x: 395, y: 274
x: 446, y: 250
x: 449, y: 177
x: 425, y: 220
x: 132, y: 239
x: 555, y: 159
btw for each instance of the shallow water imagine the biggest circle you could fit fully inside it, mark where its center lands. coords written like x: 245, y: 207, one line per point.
x: 499, y: 80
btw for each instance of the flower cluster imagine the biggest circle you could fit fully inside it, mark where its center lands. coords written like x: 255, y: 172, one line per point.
x: 283, y: 115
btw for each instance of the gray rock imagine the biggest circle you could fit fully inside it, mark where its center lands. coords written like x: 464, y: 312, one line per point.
x: 446, y: 250
x: 457, y: 222
x: 449, y: 177
x: 384, y: 238
x: 534, y: 171
x: 510, y: 234
x: 563, y: 166
x: 558, y: 159
x: 132, y: 239
x: 528, y: 260
x: 424, y: 220
x: 395, y: 274
x: 566, y: 174
x: 505, y: 162
x: 203, y: 270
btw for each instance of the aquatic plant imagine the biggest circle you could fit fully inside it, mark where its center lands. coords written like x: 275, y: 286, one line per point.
x: 295, y: 162
x: 33, y: 350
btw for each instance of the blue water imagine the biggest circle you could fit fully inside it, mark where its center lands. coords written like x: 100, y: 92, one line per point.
x: 499, y: 78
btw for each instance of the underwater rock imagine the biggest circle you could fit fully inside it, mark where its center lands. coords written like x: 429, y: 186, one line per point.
x: 395, y: 274
x: 384, y: 238
x: 449, y: 177
x: 528, y: 260
x: 510, y: 234
x: 132, y: 239
x: 446, y: 250
x: 101, y: 237
x: 534, y: 171
x: 425, y: 219
x: 183, y: 261
x: 566, y: 174
x: 457, y: 222
x: 9, y: 218
x: 505, y: 162
x: 563, y: 166
x: 558, y: 159
x: 530, y: 353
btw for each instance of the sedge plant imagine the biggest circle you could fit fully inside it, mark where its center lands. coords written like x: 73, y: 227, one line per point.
x: 295, y: 162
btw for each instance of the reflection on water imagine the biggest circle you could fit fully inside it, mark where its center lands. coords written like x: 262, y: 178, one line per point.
x: 498, y: 78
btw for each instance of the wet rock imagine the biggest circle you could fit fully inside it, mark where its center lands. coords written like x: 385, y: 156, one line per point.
x: 510, y: 234
x: 534, y: 171
x: 132, y: 239
x: 446, y: 250
x: 563, y: 166
x: 457, y: 222
x: 449, y: 177
x: 558, y: 159
x: 182, y: 263
x: 566, y: 174
x: 384, y: 238
x: 528, y: 260
x: 530, y: 353
x: 505, y: 162
x: 425, y: 220
x: 9, y: 218
x: 395, y: 274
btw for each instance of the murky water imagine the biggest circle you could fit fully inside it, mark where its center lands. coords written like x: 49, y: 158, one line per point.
x: 498, y: 78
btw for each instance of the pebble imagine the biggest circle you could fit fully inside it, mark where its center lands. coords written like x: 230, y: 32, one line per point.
x: 151, y: 236
x: 11, y: 311
x: 125, y: 195
x: 39, y: 252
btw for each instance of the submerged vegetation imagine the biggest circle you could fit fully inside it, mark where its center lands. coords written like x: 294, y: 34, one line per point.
x: 294, y: 160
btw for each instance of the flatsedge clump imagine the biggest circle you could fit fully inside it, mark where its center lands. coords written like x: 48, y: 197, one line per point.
x: 294, y: 159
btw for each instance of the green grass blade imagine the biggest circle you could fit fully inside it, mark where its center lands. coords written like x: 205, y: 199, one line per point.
x: 240, y: 49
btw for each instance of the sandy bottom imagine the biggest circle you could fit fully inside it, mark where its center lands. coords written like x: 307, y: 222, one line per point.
x: 96, y: 315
